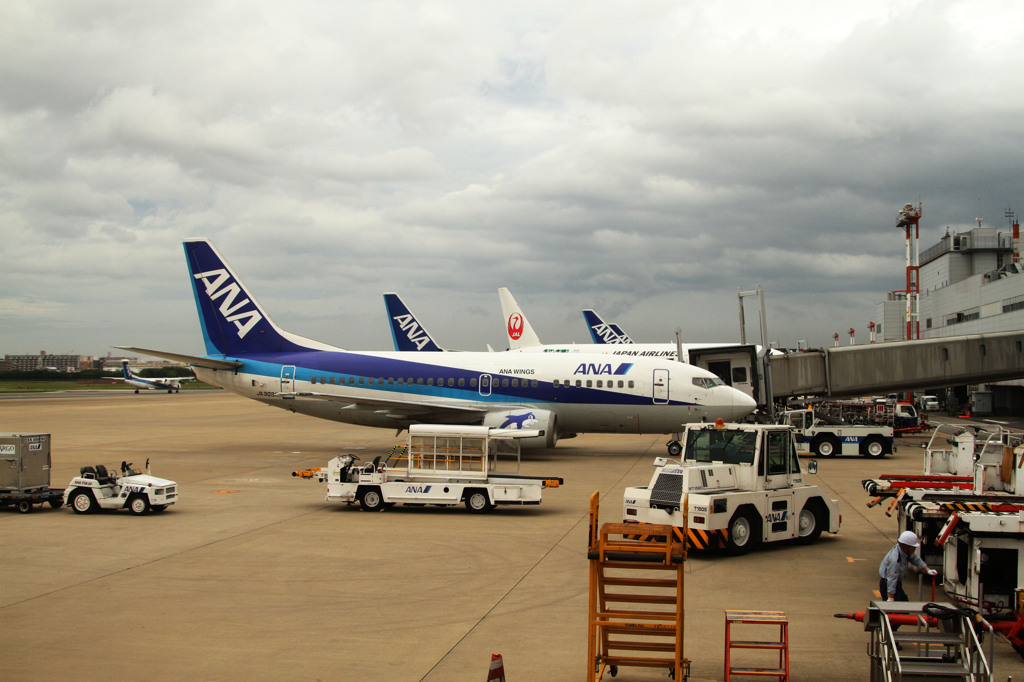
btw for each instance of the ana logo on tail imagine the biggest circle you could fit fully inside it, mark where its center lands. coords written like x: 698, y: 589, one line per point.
x: 218, y: 284
x: 413, y: 331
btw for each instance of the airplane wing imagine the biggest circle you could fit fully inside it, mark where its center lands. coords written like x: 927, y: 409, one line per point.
x: 198, y: 361
x: 398, y: 408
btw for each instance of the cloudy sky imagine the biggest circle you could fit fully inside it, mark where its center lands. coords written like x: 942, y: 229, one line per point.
x: 646, y: 159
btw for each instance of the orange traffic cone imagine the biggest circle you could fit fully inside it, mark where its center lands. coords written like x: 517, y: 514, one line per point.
x: 497, y: 671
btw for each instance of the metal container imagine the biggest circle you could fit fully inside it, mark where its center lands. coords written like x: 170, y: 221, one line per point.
x: 24, y: 462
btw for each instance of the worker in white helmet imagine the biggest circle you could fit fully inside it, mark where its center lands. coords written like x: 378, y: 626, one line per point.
x: 893, y: 568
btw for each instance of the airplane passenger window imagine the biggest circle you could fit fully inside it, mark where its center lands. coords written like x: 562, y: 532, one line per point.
x: 323, y: 380
x: 312, y: 380
x: 401, y: 381
x: 462, y: 382
x: 362, y: 381
x: 430, y: 381
x: 534, y: 383
x: 631, y: 383
x: 555, y: 383
x: 440, y: 381
x: 578, y: 383
x: 419, y: 382
x: 589, y: 383
x: 600, y: 384
x: 515, y: 383
x: 451, y: 382
x: 504, y: 383
x: 620, y: 383
x: 472, y: 382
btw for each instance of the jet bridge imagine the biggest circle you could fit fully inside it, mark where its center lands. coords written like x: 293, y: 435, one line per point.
x: 868, y: 369
x: 900, y: 365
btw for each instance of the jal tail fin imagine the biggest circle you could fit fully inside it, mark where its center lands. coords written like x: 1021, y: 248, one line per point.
x: 233, y: 322
x: 125, y: 371
x: 406, y: 331
x: 518, y: 331
x: 602, y: 332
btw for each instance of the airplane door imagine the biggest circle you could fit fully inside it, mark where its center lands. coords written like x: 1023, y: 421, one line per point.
x: 660, y: 386
x: 485, y: 384
x: 287, y: 378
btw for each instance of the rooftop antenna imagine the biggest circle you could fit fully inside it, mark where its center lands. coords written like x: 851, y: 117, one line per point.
x: 1015, y: 228
x: 909, y: 218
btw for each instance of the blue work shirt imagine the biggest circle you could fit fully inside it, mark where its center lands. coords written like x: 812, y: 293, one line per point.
x: 894, y: 567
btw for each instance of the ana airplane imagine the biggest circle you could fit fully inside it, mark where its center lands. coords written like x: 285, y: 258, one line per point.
x: 170, y: 384
x: 604, y: 332
x: 407, y: 332
x: 561, y: 395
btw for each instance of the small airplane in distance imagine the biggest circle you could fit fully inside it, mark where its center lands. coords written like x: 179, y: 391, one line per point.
x: 558, y: 395
x: 406, y: 331
x: 170, y: 384
x: 604, y: 332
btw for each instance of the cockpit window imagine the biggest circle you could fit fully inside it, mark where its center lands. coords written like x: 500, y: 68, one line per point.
x: 707, y: 382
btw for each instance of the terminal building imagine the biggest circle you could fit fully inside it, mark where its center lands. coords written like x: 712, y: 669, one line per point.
x: 968, y: 283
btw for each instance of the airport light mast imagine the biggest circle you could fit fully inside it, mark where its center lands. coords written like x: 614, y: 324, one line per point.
x: 909, y: 218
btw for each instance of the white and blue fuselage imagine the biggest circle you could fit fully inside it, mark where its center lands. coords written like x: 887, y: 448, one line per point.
x: 557, y: 393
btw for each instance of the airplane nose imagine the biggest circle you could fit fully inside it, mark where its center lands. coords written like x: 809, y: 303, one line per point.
x: 742, y: 403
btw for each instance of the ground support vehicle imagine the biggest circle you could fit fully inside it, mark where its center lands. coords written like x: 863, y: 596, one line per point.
x: 95, y: 488
x: 25, y: 472
x: 899, y: 415
x: 818, y: 434
x: 968, y: 510
x: 441, y: 465
x: 737, y: 485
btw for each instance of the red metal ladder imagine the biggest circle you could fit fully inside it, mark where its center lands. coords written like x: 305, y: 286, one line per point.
x: 775, y: 618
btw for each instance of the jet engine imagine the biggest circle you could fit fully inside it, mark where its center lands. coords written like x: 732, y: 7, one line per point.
x: 527, y: 418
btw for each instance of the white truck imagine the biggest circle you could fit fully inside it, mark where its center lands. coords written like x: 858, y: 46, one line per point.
x: 441, y: 465
x: 95, y: 488
x: 824, y: 436
x: 737, y: 485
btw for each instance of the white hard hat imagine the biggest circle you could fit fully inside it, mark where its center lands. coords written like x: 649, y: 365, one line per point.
x: 908, y: 537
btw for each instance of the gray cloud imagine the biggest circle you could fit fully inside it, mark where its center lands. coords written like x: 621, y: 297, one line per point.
x: 647, y: 161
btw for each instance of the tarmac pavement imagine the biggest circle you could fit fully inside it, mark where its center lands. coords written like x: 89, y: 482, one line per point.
x: 252, y: 575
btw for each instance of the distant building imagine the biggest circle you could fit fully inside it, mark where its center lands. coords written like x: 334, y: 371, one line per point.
x: 59, y: 363
x: 970, y: 283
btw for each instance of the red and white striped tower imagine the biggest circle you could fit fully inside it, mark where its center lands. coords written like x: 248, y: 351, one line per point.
x: 909, y: 219
x: 871, y: 328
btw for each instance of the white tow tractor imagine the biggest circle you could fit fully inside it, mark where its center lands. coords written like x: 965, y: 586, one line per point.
x: 736, y: 486
x: 441, y: 465
x: 95, y: 488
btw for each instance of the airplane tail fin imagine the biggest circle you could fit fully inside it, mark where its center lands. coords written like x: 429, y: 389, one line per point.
x: 406, y: 330
x: 603, y: 332
x: 125, y: 371
x: 518, y: 331
x: 233, y: 322
x: 623, y: 336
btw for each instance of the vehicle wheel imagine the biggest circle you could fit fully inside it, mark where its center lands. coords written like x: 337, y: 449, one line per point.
x: 158, y: 507
x: 56, y: 502
x: 371, y: 500
x: 675, y: 449
x: 476, y: 501
x: 136, y: 391
x: 874, y: 447
x: 82, y: 502
x: 24, y: 506
x: 744, y: 533
x: 825, y: 447
x: 138, y: 505
x: 811, y: 521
